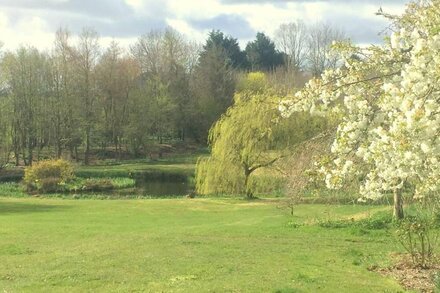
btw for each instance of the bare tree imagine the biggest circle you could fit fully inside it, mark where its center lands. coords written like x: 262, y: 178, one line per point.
x: 320, y: 38
x: 116, y: 75
x: 26, y: 74
x: 192, y: 53
x: 166, y: 60
x: 291, y: 39
x: 5, y: 115
x: 63, y: 105
x: 147, y: 51
x: 87, y: 54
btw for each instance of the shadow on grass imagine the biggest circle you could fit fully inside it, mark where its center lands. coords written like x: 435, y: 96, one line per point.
x: 19, y: 207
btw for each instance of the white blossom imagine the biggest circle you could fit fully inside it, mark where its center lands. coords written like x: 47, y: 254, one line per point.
x: 389, y: 107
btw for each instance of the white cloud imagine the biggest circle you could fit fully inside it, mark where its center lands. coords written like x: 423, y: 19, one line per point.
x: 31, y: 31
x: 184, y: 28
x: 35, y: 24
x: 195, y: 9
x: 135, y: 3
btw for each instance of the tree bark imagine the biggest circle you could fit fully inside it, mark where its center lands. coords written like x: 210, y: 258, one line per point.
x: 59, y: 149
x: 17, y: 156
x: 87, y: 150
x: 247, y: 174
x: 398, y: 205
x: 76, y: 154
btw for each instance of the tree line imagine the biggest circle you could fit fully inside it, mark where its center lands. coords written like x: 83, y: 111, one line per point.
x: 79, y: 96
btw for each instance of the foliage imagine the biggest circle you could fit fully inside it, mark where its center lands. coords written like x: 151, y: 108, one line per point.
x: 213, y: 85
x: 418, y: 237
x: 227, y: 178
x: 254, y: 82
x: 123, y: 182
x: 5, y: 143
x: 262, y: 54
x: 248, y: 137
x: 436, y: 280
x: 77, y: 98
x: 12, y: 189
x: 229, y: 45
x: 378, y: 221
x: 99, y: 184
x: 26, y: 73
x: 268, y: 182
x: 48, y: 176
x: 387, y: 98
x: 93, y: 184
x: 419, y: 234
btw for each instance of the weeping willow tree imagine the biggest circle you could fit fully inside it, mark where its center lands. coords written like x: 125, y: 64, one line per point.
x: 251, y: 135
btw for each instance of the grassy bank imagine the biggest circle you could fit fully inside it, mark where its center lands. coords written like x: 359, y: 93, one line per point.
x: 127, y: 169
x: 182, y: 245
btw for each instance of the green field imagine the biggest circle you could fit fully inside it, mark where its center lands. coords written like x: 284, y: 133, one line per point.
x: 184, y: 245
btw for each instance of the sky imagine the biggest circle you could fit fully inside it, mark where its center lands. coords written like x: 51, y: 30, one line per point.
x: 34, y: 22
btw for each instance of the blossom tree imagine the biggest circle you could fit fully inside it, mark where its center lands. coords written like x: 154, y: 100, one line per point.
x: 388, y: 101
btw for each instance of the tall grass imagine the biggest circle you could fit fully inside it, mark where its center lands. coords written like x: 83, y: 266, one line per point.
x: 12, y: 189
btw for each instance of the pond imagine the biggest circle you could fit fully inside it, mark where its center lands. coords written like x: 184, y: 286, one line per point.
x: 148, y: 184
x: 157, y: 188
x: 163, y: 184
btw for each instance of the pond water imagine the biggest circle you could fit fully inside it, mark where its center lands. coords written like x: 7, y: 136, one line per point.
x: 161, y: 188
x: 160, y: 184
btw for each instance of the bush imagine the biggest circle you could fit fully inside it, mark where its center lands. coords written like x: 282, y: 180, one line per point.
x: 419, y: 236
x: 49, y: 185
x: 48, y: 176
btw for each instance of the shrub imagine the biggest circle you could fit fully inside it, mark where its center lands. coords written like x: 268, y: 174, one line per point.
x: 419, y: 236
x: 48, y: 176
x: 49, y: 185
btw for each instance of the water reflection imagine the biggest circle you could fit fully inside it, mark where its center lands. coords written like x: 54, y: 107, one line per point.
x: 161, y: 188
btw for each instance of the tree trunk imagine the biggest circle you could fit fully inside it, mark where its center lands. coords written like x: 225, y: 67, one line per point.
x: 247, y: 174
x: 71, y: 150
x: 59, y: 149
x: 76, y: 154
x: 24, y: 157
x: 398, y: 204
x: 30, y: 156
x: 17, y: 158
x: 87, y: 151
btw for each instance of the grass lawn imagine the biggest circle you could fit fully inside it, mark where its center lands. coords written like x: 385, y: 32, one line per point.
x: 183, y: 245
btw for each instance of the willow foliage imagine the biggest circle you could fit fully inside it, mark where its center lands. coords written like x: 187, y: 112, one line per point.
x: 249, y: 136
